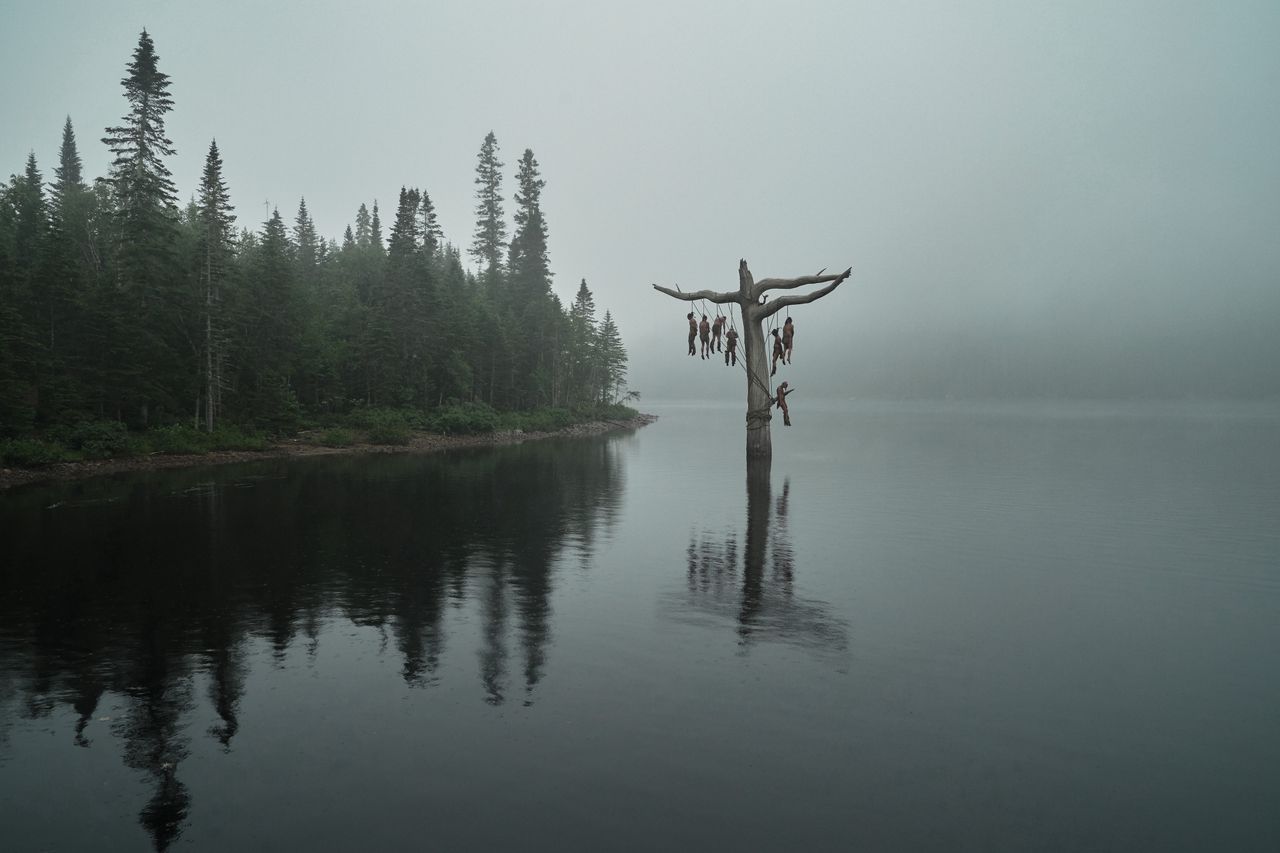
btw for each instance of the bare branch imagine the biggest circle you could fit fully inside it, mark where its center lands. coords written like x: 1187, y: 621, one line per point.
x: 791, y: 283
x: 786, y: 301
x: 709, y: 295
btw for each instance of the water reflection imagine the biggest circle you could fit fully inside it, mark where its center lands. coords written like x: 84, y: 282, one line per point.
x: 761, y: 603
x: 138, y: 592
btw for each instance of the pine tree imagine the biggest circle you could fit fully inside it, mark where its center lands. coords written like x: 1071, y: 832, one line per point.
x: 375, y: 229
x: 581, y: 348
x: 68, y: 184
x: 142, y: 182
x: 612, y: 359
x: 144, y: 355
x: 216, y: 223
x: 268, y: 334
x: 348, y: 240
x: 529, y: 267
x: 491, y: 228
x: 305, y: 241
x: 403, y: 242
x: 363, y: 227
x: 24, y: 239
x: 432, y: 235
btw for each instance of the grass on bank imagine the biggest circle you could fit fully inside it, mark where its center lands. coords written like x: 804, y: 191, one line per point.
x: 93, y: 439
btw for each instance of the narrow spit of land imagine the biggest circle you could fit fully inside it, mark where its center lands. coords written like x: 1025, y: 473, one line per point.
x: 303, y: 445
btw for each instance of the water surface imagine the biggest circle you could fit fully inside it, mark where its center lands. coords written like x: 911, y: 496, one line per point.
x: 938, y: 627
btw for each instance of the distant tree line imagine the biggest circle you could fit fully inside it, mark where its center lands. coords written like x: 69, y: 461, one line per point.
x: 117, y: 302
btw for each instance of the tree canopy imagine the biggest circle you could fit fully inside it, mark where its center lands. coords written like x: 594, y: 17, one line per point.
x: 117, y: 303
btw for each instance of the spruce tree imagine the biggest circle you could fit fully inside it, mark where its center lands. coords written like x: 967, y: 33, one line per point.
x: 611, y: 359
x: 491, y: 228
x: 145, y: 355
x: 432, y: 235
x: 216, y: 223
x: 581, y: 349
x: 143, y: 185
x: 68, y: 184
x: 305, y: 241
x: 529, y: 267
x: 375, y: 229
x: 363, y: 227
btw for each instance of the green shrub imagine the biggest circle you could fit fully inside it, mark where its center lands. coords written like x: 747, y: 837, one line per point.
x: 543, y: 420
x: 374, y: 418
x: 464, y: 419
x: 96, y: 439
x: 231, y: 437
x: 177, y: 438
x: 32, y: 453
x: 389, y: 433
x: 386, y: 426
x: 337, y: 437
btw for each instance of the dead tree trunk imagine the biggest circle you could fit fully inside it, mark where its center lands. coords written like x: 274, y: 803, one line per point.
x: 750, y: 298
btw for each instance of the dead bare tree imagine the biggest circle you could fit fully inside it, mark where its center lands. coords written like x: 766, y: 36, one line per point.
x: 750, y: 297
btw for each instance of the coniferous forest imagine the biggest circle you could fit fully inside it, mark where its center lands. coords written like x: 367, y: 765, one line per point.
x: 123, y: 310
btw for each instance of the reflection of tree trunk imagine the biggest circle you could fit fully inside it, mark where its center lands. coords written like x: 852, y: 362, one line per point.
x: 758, y: 507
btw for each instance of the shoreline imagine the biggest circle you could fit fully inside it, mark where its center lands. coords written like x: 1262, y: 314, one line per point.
x: 420, y: 442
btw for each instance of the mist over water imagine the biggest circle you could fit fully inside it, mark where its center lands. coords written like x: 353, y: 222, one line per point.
x: 932, y: 626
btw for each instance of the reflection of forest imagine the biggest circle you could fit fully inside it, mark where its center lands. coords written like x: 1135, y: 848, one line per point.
x: 761, y: 600
x: 135, y: 589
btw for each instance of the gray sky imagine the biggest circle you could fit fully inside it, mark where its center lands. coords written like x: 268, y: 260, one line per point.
x: 1045, y: 199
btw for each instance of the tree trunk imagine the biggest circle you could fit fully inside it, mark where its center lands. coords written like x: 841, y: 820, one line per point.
x: 759, y: 408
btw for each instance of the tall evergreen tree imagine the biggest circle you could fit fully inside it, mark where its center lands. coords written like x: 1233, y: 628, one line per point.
x: 149, y: 310
x: 363, y: 226
x: 305, y: 241
x: 268, y: 334
x: 612, y: 359
x: 529, y: 267
x: 491, y: 228
x: 216, y: 223
x: 24, y: 214
x: 375, y: 229
x: 582, y: 344
x: 67, y: 173
x: 432, y: 235
x: 144, y: 186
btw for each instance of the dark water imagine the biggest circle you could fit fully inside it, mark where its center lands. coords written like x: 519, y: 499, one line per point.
x: 935, y: 628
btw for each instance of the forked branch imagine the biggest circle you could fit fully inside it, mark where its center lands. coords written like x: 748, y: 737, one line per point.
x: 781, y: 302
x: 791, y: 283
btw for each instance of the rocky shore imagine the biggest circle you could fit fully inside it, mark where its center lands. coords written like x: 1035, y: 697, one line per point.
x: 302, y: 445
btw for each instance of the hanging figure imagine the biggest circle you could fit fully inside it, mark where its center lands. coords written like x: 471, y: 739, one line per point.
x: 781, y: 399
x: 717, y: 328
x: 693, y: 333
x: 788, y: 338
x: 731, y: 346
x: 704, y: 335
x: 777, y: 351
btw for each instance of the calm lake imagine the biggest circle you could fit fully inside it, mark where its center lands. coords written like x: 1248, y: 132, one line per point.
x: 936, y: 627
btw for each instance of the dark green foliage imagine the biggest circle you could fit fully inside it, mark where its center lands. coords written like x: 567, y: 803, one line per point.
x: 386, y: 426
x: 337, y: 437
x: 32, y: 453
x: 119, y: 311
x: 490, y: 236
x: 465, y: 419
x: 177, y: 438
x: 539, y: 420
x: 95, y: 439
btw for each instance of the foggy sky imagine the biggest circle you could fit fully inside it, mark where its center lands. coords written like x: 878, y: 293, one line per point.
x: 1073, y: 199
